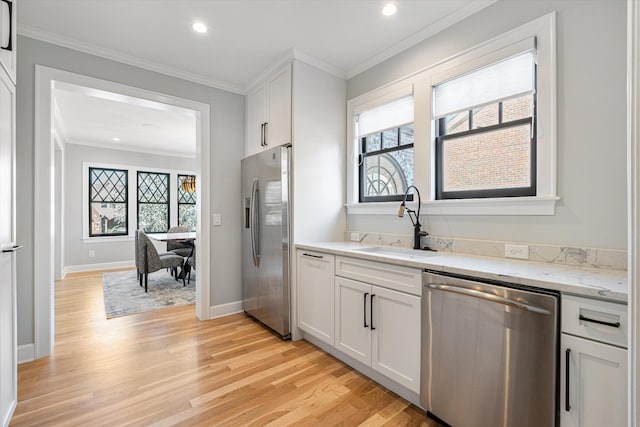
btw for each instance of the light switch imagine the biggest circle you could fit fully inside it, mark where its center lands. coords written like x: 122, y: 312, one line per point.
x: 217, y: 219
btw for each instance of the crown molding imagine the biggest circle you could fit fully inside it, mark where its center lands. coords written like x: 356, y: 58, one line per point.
x: 421, y: 35
x: 318, y: 63
x: 130, y: 149
x: 280, y: 62
x: 71, y: 43
x: 290, y: 55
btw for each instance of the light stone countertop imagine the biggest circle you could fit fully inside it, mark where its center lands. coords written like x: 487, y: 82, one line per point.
x: 588, y: 282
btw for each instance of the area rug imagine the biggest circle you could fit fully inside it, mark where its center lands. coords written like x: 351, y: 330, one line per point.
x: 123, y: 295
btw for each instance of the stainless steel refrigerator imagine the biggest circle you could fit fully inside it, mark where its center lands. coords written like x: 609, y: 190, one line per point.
x: 265, y: 238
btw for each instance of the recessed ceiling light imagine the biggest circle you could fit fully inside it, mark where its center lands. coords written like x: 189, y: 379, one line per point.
x: 199, y: 27
x: 115, y: 139
x: 389, y: 9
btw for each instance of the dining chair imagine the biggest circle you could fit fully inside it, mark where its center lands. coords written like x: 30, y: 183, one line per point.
x: 180, y: 248
x: 150, y: 261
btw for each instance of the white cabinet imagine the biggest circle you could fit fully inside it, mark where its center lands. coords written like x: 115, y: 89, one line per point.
x: 593, y: 378
x: 269, y: 113
x: 316, y: 294
x: 8, y: 38
x: 379, y: 327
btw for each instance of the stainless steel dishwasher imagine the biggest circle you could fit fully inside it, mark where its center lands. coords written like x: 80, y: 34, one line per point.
x: 489, y: 353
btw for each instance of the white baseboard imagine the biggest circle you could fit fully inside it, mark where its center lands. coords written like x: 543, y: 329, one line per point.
x: 225, y: 309
x: 100, y: 266
x: 26, y: 353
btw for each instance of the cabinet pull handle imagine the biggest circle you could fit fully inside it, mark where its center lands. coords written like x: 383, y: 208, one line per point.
x: 364, y: 310
x: 371, y: 313
x: 9, y: 45
x: 265, y: 134
x: 14, y: 248
x: 312, y: 255
x: 262, y: 134
x: 599, y: 322
x: 567, y: 405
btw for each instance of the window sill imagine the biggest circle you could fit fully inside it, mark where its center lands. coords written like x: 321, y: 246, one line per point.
x: 502, y: 206
x: 87, y: 239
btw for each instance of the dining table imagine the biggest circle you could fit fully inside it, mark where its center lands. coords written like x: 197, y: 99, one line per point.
x: 174, y: 237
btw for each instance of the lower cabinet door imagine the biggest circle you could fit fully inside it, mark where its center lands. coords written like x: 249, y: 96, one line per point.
x: 353, y: 319
x: 316, y: 294
x: 396, y: 336
x: 596, y: 392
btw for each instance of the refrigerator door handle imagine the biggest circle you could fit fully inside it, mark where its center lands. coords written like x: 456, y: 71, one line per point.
x: 253, y: 224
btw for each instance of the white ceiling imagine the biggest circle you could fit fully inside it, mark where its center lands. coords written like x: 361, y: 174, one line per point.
x: 94, y: 117
x: 246, y: 38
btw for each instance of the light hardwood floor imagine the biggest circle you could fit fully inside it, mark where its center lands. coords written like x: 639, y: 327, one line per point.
x: 166, y: 368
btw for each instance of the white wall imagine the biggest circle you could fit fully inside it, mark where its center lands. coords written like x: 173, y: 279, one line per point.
x: 319, y: 108
x: 76, y: 249
x: 227, y: 148
x: 591, y: 95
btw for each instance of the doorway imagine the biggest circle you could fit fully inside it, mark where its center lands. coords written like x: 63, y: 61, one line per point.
x: 44, y: 189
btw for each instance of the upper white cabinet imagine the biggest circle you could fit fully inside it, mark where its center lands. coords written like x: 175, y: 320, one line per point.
x: 593, y: 379
x: 8, y: 25
x: 269, y: 113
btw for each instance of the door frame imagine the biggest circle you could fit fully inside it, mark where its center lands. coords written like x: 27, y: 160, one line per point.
x: 633, y: 210
x: 43, y: 275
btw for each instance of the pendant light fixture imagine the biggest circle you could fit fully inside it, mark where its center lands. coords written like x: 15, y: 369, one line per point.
x: 189, y: 183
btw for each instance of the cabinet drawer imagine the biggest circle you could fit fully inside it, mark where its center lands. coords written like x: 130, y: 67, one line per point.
x: 403, y: 279
x: 581, y: 317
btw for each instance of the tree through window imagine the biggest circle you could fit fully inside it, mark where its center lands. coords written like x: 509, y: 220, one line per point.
x: 153, y: 202
x: 108, y: 202
x: 186, y: 205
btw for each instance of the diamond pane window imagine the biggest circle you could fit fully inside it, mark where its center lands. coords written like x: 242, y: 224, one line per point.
x: 108, y: 202
x: 186, y: 205
x: 153, y: 202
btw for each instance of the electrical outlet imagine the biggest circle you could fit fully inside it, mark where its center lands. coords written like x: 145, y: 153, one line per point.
x: 92, y: 254
x: 217, y: 219
x: 516, y: 251
x: 355, y: 237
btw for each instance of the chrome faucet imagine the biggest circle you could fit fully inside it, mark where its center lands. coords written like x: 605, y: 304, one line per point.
x: 413, y: 216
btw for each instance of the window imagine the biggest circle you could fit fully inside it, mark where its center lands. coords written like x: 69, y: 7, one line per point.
x: 485, y: 132
x: 186, y: 204
x: 385, y: 137
x: 153, y: 202
x: 108, y: 202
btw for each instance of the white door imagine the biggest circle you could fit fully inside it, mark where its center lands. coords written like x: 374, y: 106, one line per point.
x: 396, y: 336
x: 315, y: 294
x: 8, y: 36
x: 8, y: 343
x: 597, y: 387
x: 353, y: 319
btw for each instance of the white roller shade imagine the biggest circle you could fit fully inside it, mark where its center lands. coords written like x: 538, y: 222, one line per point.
x: 393, y: 114
x: 506, y: 79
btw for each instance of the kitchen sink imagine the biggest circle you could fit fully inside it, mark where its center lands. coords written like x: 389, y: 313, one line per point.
x: 397, y: 252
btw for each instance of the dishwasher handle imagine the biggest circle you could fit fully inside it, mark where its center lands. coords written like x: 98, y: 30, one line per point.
x: 489, y: 297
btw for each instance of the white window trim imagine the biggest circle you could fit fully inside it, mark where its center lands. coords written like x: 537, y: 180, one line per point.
x: 132, y: 194
x: 543, y: 29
